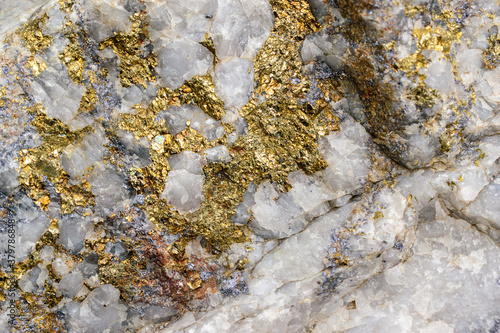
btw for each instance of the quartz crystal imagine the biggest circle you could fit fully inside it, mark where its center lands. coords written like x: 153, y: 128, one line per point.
x: 249, y: 166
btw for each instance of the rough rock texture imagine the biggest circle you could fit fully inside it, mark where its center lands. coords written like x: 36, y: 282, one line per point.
x: 249, y: 166
x: 180, y: 60
x: 234, y: 81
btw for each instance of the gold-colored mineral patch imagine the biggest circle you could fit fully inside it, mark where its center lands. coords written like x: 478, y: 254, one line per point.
x: 436, y: 38
x: 412, y: 11
x: 88, y: 101
x: 136, y: 67
x: 431, y: 37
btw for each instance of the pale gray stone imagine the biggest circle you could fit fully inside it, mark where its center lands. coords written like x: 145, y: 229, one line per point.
x: 233, y: 81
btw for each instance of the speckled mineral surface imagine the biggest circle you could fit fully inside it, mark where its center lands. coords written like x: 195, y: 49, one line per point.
x: 250, y: 166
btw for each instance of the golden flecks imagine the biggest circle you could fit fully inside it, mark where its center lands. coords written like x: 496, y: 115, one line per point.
x: 3, y: 94
x: 194, y: 281
x: 150, y: 262
x: 390, y: 45
x: 35, y: 303
x: 33, y: 38
x: 412, y: 11
x: 444, y: 142
x: 143, y: 123
x: 423, y: 95
x: 473, y: 96
x: 278, y: 61
x: 88, y: 101
x: 136, y: 67
x: 44, y: 160
x: 66, y: 5
x: 452, y: 132
x: 325, y: 121
x: 409, y: 199
x: 212, y: 220
x: 293, y: 19
x: 351, y: 305
x: 208, y: 42
x: 32, y: 34
x: 491, y: 56
x: 282, y: 135
x: 412, y: 64
x: 389, y: 183
x: 122, y: 274
x: 37, y: 65
x: 35, y: 306
x: 189, y: 139
x: 378, y: 214
x: 72, y: 56
x: 240, y: 264
x: 43, y: 202
x: 41, y: 320
x: 281, y: 138
x: 200, y: 90
x: 481, y: 156
x: 436, y: 38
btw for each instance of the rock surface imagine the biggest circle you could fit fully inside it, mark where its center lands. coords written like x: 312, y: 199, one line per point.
x: 249, y: 166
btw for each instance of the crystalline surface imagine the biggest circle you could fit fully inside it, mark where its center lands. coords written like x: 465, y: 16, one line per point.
x: 249, y: 166
x: 276, y: 215
x: 108, y: 187
x: 176, y: 119
x: 192, y: 19
x: 234, y: 81
x: 348, y: 160
x: 72, y: 233
x: 240, y: 28
x: 55, y: 90
x: 107, y: 17
x: 429, y: 295
x: 180, y: 60
x: 100, y: 311
x: 184, y: 183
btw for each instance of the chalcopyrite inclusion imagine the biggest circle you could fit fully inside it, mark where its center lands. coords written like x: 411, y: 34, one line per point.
x: 250, y: 166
